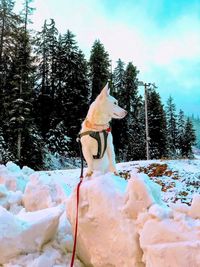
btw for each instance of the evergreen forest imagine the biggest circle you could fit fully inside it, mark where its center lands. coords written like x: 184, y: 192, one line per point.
x: 47, y: 85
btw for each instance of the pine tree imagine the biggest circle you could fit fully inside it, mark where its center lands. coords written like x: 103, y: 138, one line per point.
x: 118, y: 78
x: 136, y: 138
x: 9, y: 22
x: 157, y: 125
x: 189, y: 139
x: 99, y: 68
x: 24, y: 69
x: 25, y: 13
x: 73, y: 87
x: 130, y: 126
x: 19, y: 96
x: 180, y: 133
x: 117, y: 88
x: 171, y: 127
x: 32, y: 148
x: 46, y: 50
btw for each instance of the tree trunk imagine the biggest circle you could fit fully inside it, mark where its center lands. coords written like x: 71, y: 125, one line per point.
x: 19, y: 142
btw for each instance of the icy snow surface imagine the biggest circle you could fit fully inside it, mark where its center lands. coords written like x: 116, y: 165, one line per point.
x: 142, y: 220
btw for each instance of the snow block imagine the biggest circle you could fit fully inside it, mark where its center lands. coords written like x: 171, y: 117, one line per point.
x: 141, y: 194
x: 170, y: 236
x: 26, y: 232
x: 182, y: 254
x: 13, y: 177
x: 42, y: 192
x: 194, y: 211
x: 3, y: 196
x: 106, y: 235
x: 170, y: 240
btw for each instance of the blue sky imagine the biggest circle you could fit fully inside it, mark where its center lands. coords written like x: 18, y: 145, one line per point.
x: 160, y: 37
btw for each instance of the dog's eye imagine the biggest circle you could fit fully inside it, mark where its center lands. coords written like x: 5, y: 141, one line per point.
x: 115, y: 103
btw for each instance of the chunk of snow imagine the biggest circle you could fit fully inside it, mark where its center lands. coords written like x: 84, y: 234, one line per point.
x: 194, y: 211
x: 13, y: 177
x: 141, y: 194
x: 42, y: 192
x: 170, y: 242
x: 26, y: 232
x: 64, y: 234
x: 8, y: 199
x: 27, y: 171
x: 175, y: 254
x: 12, y: 167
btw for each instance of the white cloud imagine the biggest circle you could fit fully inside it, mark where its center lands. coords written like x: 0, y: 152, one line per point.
x: 179, y: 42
x: 165, y: 54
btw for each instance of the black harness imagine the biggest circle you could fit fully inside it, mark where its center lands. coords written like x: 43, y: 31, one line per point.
x: 96, y: 135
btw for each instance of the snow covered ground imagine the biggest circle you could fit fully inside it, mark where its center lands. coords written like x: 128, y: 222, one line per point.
x: 180, y: 180
x: 34, y: 224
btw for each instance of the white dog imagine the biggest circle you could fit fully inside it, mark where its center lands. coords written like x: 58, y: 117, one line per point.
x: 95, y: 135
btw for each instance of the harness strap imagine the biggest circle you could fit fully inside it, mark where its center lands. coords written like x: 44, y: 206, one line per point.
x: 96, y: 136
x: 84, y: 133
x: 105, y: 133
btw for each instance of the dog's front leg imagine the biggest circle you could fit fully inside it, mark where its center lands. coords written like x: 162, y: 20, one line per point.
x: 111, y: 155
x: 89, y: 159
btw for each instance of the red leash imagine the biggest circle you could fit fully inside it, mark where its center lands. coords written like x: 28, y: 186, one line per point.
x: 77, y: 204
x: 76, y: 223
x: 77, y: 201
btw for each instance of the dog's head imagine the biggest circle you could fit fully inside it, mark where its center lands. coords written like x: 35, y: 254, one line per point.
x: 109, y: 105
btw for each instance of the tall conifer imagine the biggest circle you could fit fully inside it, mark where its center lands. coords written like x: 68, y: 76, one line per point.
x: 157, y: 125
x: 189, y: 139
x: 99, y: 68
x: 171, y: 127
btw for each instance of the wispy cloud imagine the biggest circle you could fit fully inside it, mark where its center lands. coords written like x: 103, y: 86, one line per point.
x: 160, y: 37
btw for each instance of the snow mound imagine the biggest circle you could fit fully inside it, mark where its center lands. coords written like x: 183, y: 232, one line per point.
x: 26, y: 232
x: 42, y: 192
x: 106, y: 236
x: 121, y: 223
x: 41, y: 237
x: 126, y: 224
x: 13, y: 177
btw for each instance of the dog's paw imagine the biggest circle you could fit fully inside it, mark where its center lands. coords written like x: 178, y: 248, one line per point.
x: 89, y: 174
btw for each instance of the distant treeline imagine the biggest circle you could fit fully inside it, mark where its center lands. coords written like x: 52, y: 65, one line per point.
x: 46, y: 86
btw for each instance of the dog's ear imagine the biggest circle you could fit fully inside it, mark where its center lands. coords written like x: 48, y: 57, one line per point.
x: 105, y: 91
